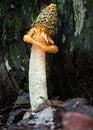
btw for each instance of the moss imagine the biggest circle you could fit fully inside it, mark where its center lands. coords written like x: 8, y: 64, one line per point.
x: 79, y: 15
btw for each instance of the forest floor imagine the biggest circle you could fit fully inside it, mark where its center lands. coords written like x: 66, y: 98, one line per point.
x: 72, y: 114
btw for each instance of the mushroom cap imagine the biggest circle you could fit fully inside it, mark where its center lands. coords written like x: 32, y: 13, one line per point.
x: 44, y: 25
x: 47, y: 19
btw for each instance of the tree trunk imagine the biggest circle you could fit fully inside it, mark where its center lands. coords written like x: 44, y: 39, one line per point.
x: 71, y: 68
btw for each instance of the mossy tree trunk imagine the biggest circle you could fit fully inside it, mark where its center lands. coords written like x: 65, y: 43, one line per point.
x: 72, y: 67
x: 8, y: 85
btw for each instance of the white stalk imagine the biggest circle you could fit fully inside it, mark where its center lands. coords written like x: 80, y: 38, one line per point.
x: 37, y: 77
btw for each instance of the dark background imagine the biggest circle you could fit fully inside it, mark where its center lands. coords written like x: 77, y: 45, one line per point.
x: 70, y: 71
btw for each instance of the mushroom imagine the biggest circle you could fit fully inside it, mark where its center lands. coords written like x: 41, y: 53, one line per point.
x: 42, y: 43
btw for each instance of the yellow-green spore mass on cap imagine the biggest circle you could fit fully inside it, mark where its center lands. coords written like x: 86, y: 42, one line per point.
x: 47, y: 19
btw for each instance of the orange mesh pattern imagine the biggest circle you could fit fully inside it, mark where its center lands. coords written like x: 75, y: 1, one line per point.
x: 47, y: 19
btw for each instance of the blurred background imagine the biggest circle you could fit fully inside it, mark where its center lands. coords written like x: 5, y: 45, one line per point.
x: 70, y: 71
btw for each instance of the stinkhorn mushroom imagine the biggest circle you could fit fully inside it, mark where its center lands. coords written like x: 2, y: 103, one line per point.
x: 39, y: 37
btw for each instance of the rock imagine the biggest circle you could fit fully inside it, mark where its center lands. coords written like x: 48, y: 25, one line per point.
x: 76, y: 121
x: 78, y: 105
x: 22, y: 99
x: 15, y: 116
x: 43, y: 117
